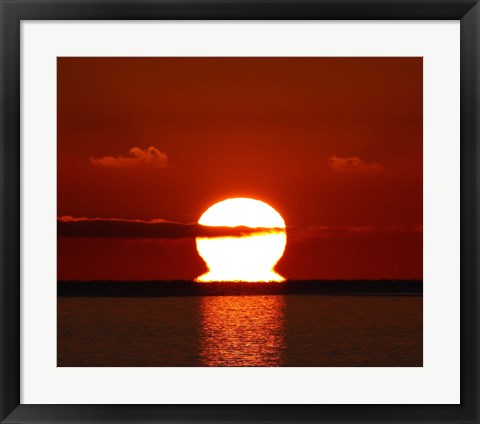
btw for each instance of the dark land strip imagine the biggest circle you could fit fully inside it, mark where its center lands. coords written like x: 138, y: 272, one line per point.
x: 191, y: 288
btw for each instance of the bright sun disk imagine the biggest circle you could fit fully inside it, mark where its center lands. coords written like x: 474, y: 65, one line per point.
x: 249, y: 257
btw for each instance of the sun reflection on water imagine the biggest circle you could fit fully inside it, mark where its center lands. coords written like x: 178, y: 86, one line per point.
x: 242, y: 331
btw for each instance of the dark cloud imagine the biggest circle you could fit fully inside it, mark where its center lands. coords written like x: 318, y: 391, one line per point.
x: 68, y: 226
x: 348, y: 231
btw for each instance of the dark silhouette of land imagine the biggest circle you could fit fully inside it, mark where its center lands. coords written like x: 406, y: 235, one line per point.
x: 191, y: 288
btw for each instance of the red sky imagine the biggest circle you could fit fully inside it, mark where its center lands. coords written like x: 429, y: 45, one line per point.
x: 333, y: 144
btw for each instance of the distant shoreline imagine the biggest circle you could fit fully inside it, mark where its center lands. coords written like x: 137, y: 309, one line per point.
x: 191, y: 288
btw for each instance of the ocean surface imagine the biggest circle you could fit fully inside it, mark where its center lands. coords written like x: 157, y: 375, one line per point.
x: 254, y: 330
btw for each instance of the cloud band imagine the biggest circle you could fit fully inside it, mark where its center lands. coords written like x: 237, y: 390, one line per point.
x: 122, y: 228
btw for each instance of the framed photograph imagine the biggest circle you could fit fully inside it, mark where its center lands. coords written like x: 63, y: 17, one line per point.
x: 239, y: 211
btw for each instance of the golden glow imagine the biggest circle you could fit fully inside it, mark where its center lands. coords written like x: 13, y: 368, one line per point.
x: 249, y: 257
x: 242, y: 331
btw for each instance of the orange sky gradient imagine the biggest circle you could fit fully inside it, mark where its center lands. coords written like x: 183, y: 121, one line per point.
x: 333, y: 144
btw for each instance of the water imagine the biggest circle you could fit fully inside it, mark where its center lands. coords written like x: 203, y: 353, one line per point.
x: 268, y: 330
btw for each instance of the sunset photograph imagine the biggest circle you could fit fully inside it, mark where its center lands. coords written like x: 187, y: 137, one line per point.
x: 239, y: 212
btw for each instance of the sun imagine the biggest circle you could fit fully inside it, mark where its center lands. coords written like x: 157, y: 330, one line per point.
x: 249, y: 257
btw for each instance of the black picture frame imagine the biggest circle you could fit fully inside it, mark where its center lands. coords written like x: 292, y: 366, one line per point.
x: 14, y: 11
